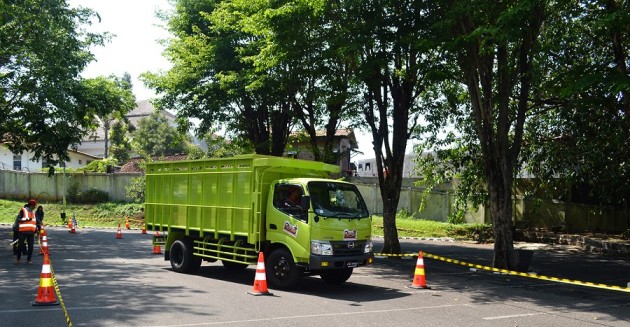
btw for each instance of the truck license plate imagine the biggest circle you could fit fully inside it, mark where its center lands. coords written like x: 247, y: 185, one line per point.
x: 352, y: 264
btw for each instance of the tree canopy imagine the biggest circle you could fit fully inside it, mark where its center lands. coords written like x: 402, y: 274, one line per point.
x: 514, y: 84
x: 44, y: 47
x: 156, y: 137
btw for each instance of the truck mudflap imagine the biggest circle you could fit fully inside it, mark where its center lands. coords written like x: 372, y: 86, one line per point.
x: 321, y: 262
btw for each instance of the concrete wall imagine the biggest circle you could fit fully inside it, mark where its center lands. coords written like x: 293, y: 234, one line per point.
x: 439, y: 205
x: 22, y: 185
x: 528, y: 212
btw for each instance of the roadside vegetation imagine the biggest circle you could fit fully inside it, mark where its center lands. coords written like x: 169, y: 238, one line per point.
x: 107, y: 214
x: 111, y: 214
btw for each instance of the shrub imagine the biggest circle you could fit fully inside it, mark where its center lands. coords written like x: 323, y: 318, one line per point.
x: 94, y: 196
x: 135, y: 190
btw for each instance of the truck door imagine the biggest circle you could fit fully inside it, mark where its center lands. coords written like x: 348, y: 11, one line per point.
x: 288, y: 222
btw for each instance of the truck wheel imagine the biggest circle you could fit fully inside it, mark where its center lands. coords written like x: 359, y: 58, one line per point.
x: 282, y: 272
x: 337, y: 276
x: 182, y: 258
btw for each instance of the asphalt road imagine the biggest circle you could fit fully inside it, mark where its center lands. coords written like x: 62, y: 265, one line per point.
x: 106, y: 281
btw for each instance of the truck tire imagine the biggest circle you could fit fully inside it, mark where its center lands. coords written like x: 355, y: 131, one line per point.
x: 182, y: 258
x: 336, y: 276
x: 282, y: 272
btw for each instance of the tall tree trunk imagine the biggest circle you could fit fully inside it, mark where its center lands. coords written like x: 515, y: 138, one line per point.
x: 390, y: 193
x: 500, y: 196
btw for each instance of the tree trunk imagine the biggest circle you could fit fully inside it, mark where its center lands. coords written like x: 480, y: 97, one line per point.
x: 500, y: 196
x: 391, y: 195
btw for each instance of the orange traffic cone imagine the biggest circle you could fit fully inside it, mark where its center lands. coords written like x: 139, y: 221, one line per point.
x: 43, y: 240
x: 127, y: 224
x: 43, y: 249
x: 260, y: 281
x: 419, y: 280
x: 144, y: 230
x: 119, y: 232
x: 46, y: 291
x: 72, y: 228
x: 156, y: 247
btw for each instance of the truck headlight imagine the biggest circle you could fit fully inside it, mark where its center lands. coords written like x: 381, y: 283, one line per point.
x: 368, y: 247
x: 321, y: 248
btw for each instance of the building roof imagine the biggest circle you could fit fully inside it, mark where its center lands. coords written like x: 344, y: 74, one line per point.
x: 145, y: 108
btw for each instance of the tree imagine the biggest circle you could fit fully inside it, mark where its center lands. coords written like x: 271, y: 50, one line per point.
x: 120, y: 144
x: 111, y: 98
x: 214, y: 80
x: 44, y: 48
x: 156, y: 137
x: 580, y: 137
x: 495, y: 47
x: 393, y: 61
x: 302, y: 55
x: 220, y: 147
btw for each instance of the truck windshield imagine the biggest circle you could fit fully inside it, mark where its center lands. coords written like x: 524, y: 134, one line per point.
x: 337, y: 200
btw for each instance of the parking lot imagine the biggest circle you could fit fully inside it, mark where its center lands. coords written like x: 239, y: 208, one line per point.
x: 104, y: 281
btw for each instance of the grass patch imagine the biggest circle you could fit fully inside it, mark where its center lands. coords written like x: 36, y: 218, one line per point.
x: 111, y: 214
x: 88, y: 215
x: 412, y: 227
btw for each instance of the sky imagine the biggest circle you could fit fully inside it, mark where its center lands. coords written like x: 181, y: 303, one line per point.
x: 135, y: 49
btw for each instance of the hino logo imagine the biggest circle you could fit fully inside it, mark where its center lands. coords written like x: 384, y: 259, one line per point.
x: 350, y: 245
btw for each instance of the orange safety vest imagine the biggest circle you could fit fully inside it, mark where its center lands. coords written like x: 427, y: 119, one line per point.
x: 28, y: 225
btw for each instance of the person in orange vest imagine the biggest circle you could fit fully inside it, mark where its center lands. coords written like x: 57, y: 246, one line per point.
x: 27, y: 228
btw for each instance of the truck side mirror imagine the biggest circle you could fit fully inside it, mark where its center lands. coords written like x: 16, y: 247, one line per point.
x: 305, y: 203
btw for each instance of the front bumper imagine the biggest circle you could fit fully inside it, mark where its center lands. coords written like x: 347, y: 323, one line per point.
x: 324, y: 262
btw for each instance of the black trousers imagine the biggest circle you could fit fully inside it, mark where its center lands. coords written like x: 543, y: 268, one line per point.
x: 30, y: 239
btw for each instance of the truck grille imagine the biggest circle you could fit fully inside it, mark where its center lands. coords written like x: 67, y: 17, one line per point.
x: 348, y: 247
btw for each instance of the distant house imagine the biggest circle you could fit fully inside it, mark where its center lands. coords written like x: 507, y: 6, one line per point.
x: 24, y: 161
x: 367, y: 167
x: 94, y: 144
x: 344, y: 143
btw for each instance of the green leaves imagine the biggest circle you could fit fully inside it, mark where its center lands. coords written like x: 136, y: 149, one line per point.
x: 156, y: 137
x: 44, y: 48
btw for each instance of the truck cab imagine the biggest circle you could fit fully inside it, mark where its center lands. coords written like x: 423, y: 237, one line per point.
x: 328, y: 228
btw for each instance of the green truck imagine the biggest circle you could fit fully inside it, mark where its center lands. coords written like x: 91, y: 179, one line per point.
x: 231, y: 209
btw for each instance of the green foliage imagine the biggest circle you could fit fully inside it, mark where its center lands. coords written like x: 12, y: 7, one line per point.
x: 110, y: 98
x: 92, y: 196
x: 120, y: 143
x: 135, y: 190
x: 45, y: 46
x: 75, y: 195
x: 156, y: 137
x: 219, y: 147
x: 213, y: 78
x: 98, y: 166
x: 578, y: 142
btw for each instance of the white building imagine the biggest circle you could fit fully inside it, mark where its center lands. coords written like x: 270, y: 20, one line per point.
x: 24, y: 161
x: 367, y: 167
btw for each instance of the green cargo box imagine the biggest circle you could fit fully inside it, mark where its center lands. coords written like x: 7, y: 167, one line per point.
x: 219, y: 198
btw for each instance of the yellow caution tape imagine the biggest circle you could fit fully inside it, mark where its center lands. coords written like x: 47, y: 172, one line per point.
x: 54, y: 282
x: 510, y: 272
x: 63, y: 305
